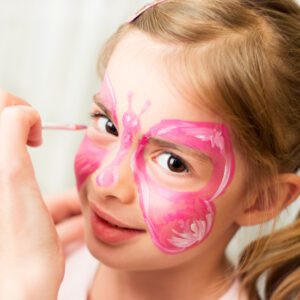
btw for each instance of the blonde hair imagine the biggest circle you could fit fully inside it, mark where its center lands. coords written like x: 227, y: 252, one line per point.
x: 249, y: 51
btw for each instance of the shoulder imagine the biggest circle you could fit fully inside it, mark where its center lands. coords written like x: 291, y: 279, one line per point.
x: 80, y: 269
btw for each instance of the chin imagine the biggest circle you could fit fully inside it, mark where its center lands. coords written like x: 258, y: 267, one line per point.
x: 137, y: 255
x: 129, y: 256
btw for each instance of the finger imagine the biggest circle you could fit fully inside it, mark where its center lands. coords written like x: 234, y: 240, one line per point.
x: 71, y: 230
x: 35, y: 138
x: 15, y: 125
x: 7, y: 99
x: 63, y: 205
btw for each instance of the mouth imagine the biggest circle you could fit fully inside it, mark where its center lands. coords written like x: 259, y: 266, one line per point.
x: 109, y: 230
x: 109, y: 220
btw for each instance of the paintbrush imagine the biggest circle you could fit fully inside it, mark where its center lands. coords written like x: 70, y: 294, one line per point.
x: 58, y: 126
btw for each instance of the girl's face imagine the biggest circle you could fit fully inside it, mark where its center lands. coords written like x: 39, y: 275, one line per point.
x: 158, y: 163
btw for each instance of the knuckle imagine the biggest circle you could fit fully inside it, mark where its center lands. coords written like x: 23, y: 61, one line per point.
x: 20, y: 114
x: 12, y: 113
x: 7, y: 100
x: 8, y: 111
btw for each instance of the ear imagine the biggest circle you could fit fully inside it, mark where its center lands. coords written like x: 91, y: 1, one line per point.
x: 257, y: 212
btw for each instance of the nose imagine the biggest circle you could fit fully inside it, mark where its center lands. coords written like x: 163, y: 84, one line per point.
x: 117, y: 181
x: 117, y: 177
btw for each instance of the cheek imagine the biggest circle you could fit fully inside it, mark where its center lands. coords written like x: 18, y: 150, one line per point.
x: 88, y: 159
x: 177, y: 221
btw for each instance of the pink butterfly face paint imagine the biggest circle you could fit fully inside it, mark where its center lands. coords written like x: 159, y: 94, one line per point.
x: 131, y: 124
x: 94, y: 146
x: 88, y: 159
x: 178, y: 219
x: 108, y: 98
x: 178, y: 207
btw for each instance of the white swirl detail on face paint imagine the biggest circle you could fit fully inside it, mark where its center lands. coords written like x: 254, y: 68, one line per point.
x: 227, y: 172
x: 218, y: 140
x: 165, y: 130
x: 198, y: 230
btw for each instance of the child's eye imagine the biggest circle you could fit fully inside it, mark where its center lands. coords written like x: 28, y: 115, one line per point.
x: 105, y: 124
x: 172, y: 163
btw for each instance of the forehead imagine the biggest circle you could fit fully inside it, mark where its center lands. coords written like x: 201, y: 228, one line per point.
x: 139, y: 65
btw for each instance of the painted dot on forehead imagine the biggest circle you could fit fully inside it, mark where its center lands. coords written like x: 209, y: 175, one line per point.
x: 131, y: 126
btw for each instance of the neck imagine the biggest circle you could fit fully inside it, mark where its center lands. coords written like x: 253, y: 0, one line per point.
x: 209, y: 280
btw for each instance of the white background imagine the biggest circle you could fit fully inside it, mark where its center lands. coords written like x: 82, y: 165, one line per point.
x: 48, y: 55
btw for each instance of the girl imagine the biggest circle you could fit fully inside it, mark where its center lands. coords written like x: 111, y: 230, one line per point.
x: 194, y: 133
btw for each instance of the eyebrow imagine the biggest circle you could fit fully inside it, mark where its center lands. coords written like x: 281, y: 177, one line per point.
x: 156, y: 141
x: 181, y: 148
x: 97, y: 100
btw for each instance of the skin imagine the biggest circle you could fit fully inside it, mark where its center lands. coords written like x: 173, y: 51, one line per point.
x: 28, y: 237
x: 136, y: 267
x: 65, y: 211
x: 27, y: 243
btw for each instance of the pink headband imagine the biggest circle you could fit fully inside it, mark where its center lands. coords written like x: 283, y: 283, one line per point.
x: 143, y: 9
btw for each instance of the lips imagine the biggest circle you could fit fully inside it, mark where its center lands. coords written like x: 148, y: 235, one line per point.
x: 111, y: 220
x: 109, y: 230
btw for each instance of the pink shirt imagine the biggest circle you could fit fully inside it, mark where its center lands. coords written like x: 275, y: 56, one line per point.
x: 80, y: 270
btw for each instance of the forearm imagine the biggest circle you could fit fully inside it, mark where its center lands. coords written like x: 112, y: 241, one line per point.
x: 27, y: 283
x: 16, y: 290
